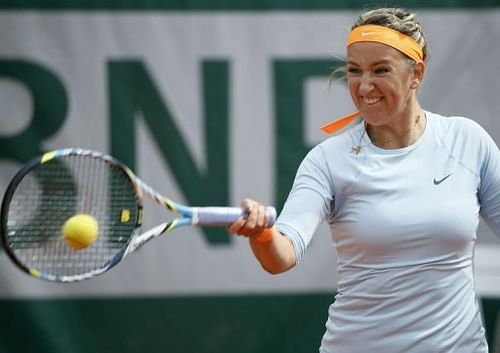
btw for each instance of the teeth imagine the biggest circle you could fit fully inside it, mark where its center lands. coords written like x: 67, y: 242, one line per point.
x: 370, y: 101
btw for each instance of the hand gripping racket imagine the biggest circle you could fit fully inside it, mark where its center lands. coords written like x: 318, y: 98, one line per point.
x: 50, y: 189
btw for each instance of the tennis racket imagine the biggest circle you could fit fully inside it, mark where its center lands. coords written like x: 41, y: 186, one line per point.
x: 50, y: 189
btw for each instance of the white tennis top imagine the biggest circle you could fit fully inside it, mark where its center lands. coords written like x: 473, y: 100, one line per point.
x: 403, y: 222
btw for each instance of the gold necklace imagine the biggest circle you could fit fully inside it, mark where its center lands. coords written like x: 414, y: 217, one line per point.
x: 356, y: 149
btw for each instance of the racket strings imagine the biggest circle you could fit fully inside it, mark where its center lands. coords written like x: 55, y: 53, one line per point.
x: 57, y: 190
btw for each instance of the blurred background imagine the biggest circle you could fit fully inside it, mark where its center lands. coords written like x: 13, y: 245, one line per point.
x: 209, y: 102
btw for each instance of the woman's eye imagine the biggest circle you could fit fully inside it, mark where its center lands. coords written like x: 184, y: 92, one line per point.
x: 381, y: 70
x: 353, y: 70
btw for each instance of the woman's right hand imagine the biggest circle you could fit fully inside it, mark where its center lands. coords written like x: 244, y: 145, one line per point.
x: 273, y: 250
x: 255, y: 222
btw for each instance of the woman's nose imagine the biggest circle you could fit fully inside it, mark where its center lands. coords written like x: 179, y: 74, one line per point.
x: 365, y: 84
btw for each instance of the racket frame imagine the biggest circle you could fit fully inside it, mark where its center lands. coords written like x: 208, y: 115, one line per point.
x: 33, y: 164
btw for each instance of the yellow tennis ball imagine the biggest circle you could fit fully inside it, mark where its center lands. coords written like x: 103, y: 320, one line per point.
x: 80, y: 231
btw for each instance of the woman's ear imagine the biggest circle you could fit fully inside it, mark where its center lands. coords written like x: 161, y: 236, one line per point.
x: 418, y: 74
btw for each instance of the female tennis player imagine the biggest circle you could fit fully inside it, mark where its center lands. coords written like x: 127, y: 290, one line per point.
x: 401, y: 190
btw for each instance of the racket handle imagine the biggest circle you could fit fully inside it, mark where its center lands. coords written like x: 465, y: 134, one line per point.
x: 224, y: 216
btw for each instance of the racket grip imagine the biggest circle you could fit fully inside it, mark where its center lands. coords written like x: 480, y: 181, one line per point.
x: 224, y: 216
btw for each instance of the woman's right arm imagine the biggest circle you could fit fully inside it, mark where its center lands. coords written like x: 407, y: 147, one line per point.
x: 307, y: 205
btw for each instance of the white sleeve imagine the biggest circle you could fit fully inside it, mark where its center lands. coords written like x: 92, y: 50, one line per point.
x: 308, y: 202
x: 489, y: 190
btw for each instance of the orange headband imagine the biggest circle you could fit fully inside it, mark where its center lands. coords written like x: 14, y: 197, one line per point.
x: 387, y: 36
x: 379, y: 34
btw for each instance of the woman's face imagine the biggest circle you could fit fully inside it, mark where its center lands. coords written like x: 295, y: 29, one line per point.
x: 381, y: 82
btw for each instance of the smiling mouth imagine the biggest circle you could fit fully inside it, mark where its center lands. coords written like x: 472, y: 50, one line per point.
x: 371, y: 101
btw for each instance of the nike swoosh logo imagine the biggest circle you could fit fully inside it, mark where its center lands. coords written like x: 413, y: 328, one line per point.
x: 437, y: 182
x: 367, y: 33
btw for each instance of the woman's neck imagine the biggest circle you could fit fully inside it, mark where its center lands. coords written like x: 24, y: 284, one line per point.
x: 401, y: 134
